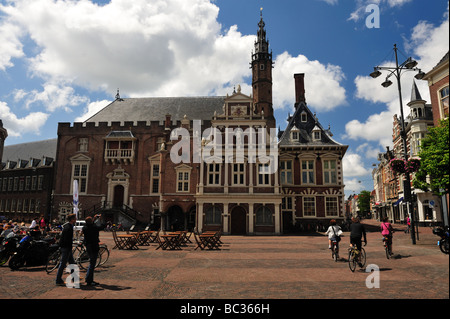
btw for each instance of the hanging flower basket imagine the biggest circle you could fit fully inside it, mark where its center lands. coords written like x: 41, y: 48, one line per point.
x: 413, y: 165
x: 398, y: 165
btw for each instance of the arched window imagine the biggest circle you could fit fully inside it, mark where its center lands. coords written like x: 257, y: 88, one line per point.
x: 213, y: 216
x: 264, y: 216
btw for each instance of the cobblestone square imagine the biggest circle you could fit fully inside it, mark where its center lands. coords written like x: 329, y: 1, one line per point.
x: 250, y: 267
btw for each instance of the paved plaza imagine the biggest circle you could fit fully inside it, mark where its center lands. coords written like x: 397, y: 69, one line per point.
x: 252, y: 267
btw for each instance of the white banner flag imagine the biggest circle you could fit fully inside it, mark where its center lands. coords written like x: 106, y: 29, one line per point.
x: 75, y: 197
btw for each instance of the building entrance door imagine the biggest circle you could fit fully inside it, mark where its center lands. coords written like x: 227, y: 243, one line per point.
x: 238, y: 221
x: 118, y: 196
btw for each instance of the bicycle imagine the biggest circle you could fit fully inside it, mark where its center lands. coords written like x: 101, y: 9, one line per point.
x: 80, y: 256
x: 387, y: 246
x: 334, y: 250
x: 356, y: 257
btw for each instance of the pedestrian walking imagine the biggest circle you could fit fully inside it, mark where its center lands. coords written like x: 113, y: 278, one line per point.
x: 65, y: 245
x: 408, y: 225
x: 91, y: 241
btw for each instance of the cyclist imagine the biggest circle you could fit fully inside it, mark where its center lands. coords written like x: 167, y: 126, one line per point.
x: 333, y: 233
x: 357, y: 231
x: 386, y: 231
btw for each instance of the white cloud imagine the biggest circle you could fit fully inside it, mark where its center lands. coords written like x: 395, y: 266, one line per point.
x: 145, y: 48
x: 32, y: 123
x: 353, y: 166
x: 53, y: 96
x: 353, y: 185
x: 10, y: 46
x: 361, y: 5
x: 319, y: 78
x: 91, y: 109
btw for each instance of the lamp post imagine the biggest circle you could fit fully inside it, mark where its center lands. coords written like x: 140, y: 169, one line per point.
x: 397, y: 71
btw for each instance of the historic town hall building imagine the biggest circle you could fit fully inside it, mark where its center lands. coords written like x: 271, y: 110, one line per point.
x: 212, y: 163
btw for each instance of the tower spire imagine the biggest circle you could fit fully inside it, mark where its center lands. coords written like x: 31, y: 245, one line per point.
x: 262, y: 74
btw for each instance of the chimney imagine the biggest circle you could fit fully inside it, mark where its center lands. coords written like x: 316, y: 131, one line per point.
x: 299, y: 88
x: 168, y: 122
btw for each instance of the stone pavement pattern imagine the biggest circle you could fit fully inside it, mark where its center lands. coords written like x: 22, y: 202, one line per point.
x: 281, y: 267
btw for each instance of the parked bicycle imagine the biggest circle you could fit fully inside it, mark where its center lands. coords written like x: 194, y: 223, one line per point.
x: 80, y: 256
x: 356, y: 257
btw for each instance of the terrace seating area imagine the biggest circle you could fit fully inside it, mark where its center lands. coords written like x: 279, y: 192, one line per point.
x: 179, y: 240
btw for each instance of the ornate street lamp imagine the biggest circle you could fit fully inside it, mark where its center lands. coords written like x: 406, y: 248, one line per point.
x: 397, y: 71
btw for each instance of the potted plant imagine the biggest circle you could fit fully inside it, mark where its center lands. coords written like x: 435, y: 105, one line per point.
x: 398, y: 165
x: 413, y: 165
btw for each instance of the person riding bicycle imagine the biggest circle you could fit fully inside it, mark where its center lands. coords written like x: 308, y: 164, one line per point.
x: 334, y: 232
x: 357, y: 231
x: 386, y: 231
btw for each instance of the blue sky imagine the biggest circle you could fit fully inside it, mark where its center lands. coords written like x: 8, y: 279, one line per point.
x: 61, y: 61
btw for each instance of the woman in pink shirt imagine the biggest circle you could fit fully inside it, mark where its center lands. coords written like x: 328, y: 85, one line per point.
x: 386, y: 231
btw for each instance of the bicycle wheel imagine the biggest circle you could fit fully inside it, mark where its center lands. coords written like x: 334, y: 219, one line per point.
x: 83, y: 260
x: 351, y: 260
x: 103, y: 255
x: 388, y: 253
x: 362, y: 258
x: 443, y: 245
x: 53, y: 261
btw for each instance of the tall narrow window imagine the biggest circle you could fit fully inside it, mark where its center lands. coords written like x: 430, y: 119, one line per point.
x: 213, y: 216
x: 331, y: 206
x: 214, y: 174
x: 444, y: 101
x: 309, y: 206
x: 83, y: 144
x: 329, y: 171
x: 80, y: 173
x: 238, y: 174
x: 263, y: 174
x: 308, y: 172
x: 286, y: 172
x: 183, y: 181
x: 264, y: 216
x: 155, y: 179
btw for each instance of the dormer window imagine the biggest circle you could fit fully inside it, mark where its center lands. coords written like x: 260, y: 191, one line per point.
x: 304, y: 117
x: 316, y: 133
x: 294, y: 133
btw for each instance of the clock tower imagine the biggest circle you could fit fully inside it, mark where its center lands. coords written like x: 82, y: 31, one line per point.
x: 262, y: 76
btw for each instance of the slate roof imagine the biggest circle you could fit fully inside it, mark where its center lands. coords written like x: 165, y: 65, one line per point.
x: 31, y: 150
x: 305, y: 130
x: 156, y: 109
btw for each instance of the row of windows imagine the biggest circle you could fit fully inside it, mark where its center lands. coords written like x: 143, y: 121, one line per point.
x: 264, y: 216
x: 80, y: 173
x: 286, y: 173
x: 27, y: 205
x: 22, y: 183
x: 310, y: 206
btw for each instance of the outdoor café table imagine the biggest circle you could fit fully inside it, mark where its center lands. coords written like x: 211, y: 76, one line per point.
x: 170, y: 241
x: 142, y: 238
x: 125, y: 241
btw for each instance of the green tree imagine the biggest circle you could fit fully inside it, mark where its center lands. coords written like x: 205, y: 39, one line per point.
x: 364, y: 202
x: 434, y: 161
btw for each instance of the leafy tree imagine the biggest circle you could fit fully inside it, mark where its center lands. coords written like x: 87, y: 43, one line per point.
x: 364, y: 201
x: 434, y: 161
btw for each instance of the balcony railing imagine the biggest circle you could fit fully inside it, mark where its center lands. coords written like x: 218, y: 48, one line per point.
x: 125, y: 156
